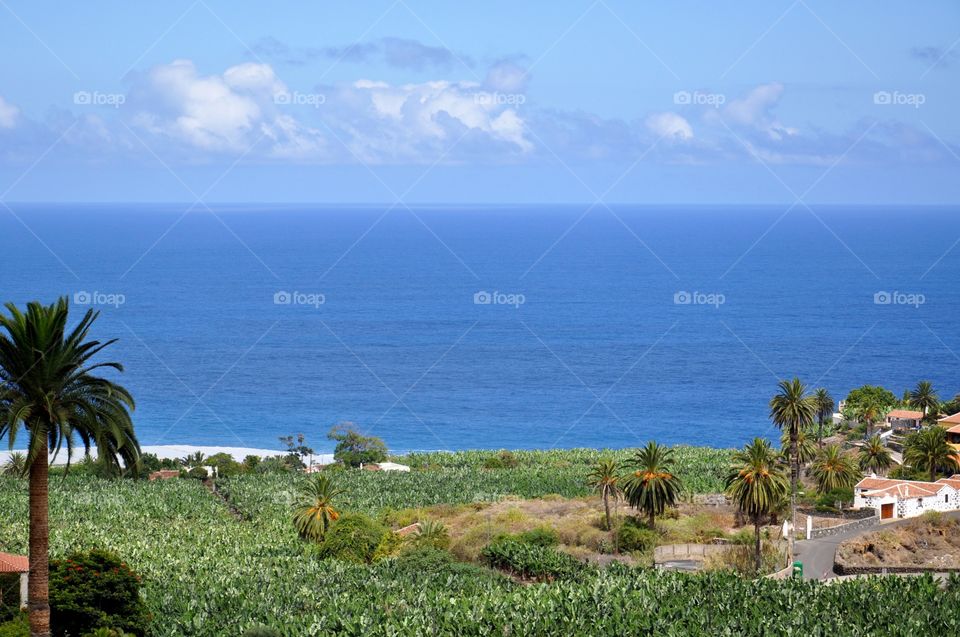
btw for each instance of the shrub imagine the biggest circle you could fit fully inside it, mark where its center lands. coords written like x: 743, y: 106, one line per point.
x: 95, y: 589
x: 19, y: 626
x: 540, y: 536
x: 531, y: 561
x: 197, y: 473
x: 354, y: 449
x: 632, y: 537
x: 354, y: 538
x: 431, y: 533
x: 503, y: 460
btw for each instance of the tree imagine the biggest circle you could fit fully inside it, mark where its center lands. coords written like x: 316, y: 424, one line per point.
x: 874, y: 456
x: 604, y: 479
x: 793, y: 410
x: 296, y: 446
x: 48, y: 388
x: 928, y: 450
x: 652, y: 487
x: 313, y: 512
x: 806, y: 447
x: 924, y: 398
x: 354, y: 449
x: 870, y: 404
x: 757, y: 484
x: 833, y: 469
x: 16, y: 465
x: 824, y: 403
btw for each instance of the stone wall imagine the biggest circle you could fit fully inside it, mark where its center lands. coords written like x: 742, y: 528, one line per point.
x: 844, y: 569
x: 672, y: 552
x: 711, y: 499
x: 856, y: 525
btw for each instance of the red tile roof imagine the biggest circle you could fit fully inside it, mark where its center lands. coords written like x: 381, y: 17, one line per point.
x: 13, y: 563
x: 905, y: 414
x: 951, y: 420
x: 953, y: 430
x: 902, y: 488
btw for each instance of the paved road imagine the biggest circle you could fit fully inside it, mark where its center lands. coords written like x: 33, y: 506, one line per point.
x: 817, y: 555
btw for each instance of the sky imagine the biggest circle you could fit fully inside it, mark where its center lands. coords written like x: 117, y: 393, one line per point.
x: 493, y: 102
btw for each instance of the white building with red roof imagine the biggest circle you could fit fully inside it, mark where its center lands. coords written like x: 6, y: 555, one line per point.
x: 904, y: 418
x: 895, y: 499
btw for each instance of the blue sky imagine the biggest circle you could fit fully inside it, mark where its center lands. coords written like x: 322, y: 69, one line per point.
x: 679, y: 102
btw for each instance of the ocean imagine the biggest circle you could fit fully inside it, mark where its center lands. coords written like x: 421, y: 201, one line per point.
x: 451, y: 327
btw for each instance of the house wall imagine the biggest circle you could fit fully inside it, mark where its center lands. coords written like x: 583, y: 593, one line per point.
x: 947, y: 500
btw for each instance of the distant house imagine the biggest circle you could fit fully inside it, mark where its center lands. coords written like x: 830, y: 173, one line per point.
x: 16, y: 564
x: 904, y: 419
x: 952, y: 425
x: 385, y: 466
x: 894, y: 499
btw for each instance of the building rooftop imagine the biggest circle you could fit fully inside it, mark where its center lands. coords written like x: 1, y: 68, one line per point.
x: 14, y: 563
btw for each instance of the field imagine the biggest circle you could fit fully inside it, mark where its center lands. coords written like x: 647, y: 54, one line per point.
x: 212, y: 570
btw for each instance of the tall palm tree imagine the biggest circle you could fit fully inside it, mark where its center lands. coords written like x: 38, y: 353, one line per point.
x: 834, y: 469
x: 604, y: 479
x: 757, y: 484
x: 793, y: 410
x: 825, y: 405
x: 924, y: 398
x: 652, y: 486
x: 48, y: 388
x: 874, y: 456
x: 806, y: 447
x: 313, y: 512
x: 928, y: 450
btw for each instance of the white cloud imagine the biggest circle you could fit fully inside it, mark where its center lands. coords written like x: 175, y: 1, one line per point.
x: 669, y: 125
x: 754, y: 111
x: 8, y: 114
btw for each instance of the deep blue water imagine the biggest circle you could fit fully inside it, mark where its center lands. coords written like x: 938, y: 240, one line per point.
x: 599, y: 354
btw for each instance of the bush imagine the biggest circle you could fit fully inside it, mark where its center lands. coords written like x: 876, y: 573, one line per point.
x: 540, y: 536
x: 354, y: 449
x: 503, y: 460
x: 197, y: 473
x: 632, y: 537
x: 19, y: 626
x: 830, y: 498
x: 95, y: 589
x: 531, y: 561
x: 354, y: 538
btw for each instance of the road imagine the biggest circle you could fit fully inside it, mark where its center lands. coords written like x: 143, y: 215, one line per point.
x: 817, y: 555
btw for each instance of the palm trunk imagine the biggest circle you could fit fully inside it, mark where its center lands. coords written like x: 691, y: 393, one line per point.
x: 653, y: 519
x: 794, y: 474
x: 820, y: 433
x: 606, y: 507
x: 756, y: 542
x: 37, y: 582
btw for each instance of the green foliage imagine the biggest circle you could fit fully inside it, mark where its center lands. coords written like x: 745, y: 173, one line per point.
x: 19, y: 626
x: 503, y: 460
x: 433, y: 534
x: 540, y: 536
x: 354, y: 449
x: 542, y: 563
x: 834, y: 469
x: 261, y: 631
x: 198, y: 473
x: 95, y: 589
x: 927, y: 450
x: 354, y: 538
x: 653, y: 486
x: 314, y: 510
x: 632, y: 536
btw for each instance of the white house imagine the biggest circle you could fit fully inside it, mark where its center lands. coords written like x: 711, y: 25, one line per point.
x: 893, y: 499
x: 904, y: 418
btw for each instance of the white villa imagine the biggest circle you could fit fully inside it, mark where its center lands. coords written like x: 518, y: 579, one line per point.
x: 893, y: 499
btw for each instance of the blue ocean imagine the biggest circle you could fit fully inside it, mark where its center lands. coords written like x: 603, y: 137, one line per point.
x: 451, y: 327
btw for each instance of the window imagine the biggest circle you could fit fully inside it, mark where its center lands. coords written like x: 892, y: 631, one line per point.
x: 946, y: 498
x: 920, y: 503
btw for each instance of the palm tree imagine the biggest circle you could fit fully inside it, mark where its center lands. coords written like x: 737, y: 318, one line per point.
x: 929, y: 450
x: 47, y: 387
x: 924, y: 398
x: 824, y: 402
x: 874, y: 456
x: 604, y: 479
x: 757, y: 484
x: 313, y: 512
x: 652, y: 487
x: 793, y: 410
x: 806, y: 447
x: 834, y: 469
x: 16, y: 465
